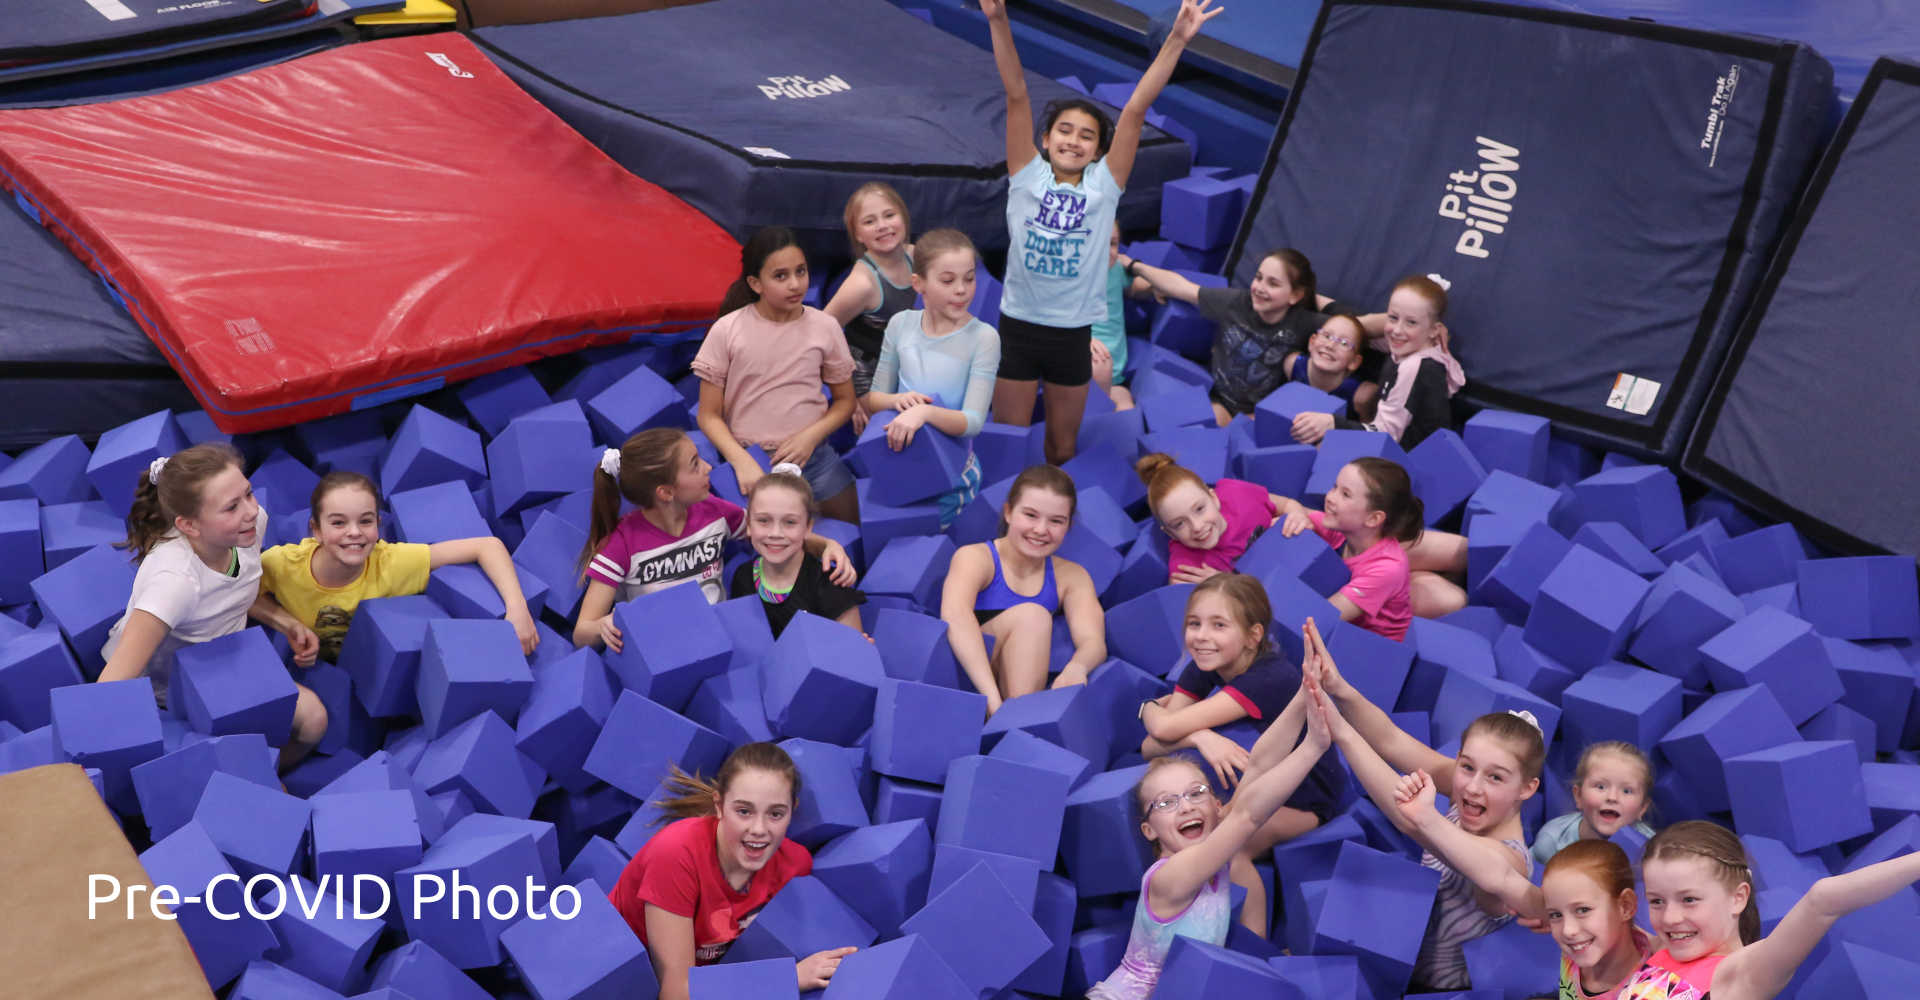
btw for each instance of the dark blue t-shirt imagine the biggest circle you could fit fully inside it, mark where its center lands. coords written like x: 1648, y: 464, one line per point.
x: 1264, y: 691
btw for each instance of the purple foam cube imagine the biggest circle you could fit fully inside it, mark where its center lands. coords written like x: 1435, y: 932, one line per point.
x: 1513, y: 582
x: 924, y: 469
x: 1865, y: 597
x: 1584, y: 609
x: 636, y: 401
x: 1445, y: 473
x: 1273, y: 416
x: 905, y: 968
x: 730, y: 704
x: 980, y: 930
x: 1644, y: 498
x: 1282, y: 469
x: 264, y: 980
x: 1613, y: 540
x: 1806, y: 795
x: 1306, y: 557
x: 417, y: 970
x: 641, y: 737
x: 1683, y: 610
x: 84, y: 597
x: 919, y: 728
x: 261, y: 830
x: 493, y: 400
x: 804, y: 917
x: 773, y: 978
x: 122, y: 455
x: 1197, y: 970
x: 169, y: 787
x: 1877, y: 683
x: 1200, y: 212
x: 820, y: 681
x: 1724, y: 726
x: 429, y: 448
x: 1762, y: 558
x: 453, y: 918
x: 1617, y: 701
x: 224, y: 936
x: 1504, y: 493
x: 1775, y: 649
x: 21, y: 555
x: 234, y: 684
x: 1512, y: 442
x: 881, y: 523
x: 881, y: 871
x: 1376, y: 908
x: 382, y: 651
x: 913, y: 568
x: 829, y: 803
x: 51, y: 472
x: 1100, y: 835
x: 478, y: 759
x: 538, y: 456
x: 113, y: 726
x: 441, y: 512
x: 673, y: 641
x: 31, y: 666
x: 365, y: 833
x: 1521, y: 664
x: 592, y: 954
x: 1150, y: 629
x: 467, y: 667
x: 569, y: 703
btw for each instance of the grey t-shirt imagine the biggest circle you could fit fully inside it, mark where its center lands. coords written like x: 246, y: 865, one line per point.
x: 1249, y: 354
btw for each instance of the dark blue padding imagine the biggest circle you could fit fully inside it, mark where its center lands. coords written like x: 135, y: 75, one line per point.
x: 1812, y: 417
x: 1647, y: 187
x: 71, y: 360
x: 920, y: 110
x: 62, y: 29
x: 1851, y: 34
x: 164, y: 56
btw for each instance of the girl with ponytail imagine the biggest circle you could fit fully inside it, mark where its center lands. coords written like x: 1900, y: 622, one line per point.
x: 694, y: 886
x: 678, y: 532
x: 1700, y: 896
x: 195, y: 530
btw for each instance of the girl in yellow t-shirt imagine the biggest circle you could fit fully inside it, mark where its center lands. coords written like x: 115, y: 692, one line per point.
x: 322, y: 579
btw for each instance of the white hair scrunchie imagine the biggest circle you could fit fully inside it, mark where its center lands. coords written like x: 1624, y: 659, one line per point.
x: 153, y: 469
x: 1527, y: 717
x: 789, y: 468
x: 610, y: 462
x: 1445, y: 286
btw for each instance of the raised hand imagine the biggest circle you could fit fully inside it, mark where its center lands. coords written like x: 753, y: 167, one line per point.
x: 1193, y: 14
x: 1415, y: 797
x: 993, y: 8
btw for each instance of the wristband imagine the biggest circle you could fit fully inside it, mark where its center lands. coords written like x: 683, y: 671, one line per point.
x: 1143, y: 709
x: 1129, y: 269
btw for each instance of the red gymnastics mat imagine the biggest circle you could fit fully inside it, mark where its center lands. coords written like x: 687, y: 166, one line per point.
x: 360, y: 225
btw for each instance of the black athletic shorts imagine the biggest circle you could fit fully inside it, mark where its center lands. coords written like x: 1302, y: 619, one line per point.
x: 1056, y: 355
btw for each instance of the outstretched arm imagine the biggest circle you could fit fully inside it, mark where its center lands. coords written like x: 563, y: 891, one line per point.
x: 1179, y: 880
x: 1489, y: 866
x: 1384, y: 739
x: 1761, y: 970
x: 1020, y: 148
x: 1133, y: 117
x: 1162, y: 282
x: 491, y: 555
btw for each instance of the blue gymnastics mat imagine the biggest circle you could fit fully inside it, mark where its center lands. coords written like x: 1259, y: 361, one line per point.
x: 1812, y: 418
x: 321, y: 15
x: 1851, y: 34
x: 1259, y: 41
x: 759, y: 120
x: 71, y: 360
x: 60, y: 29
x: 1602, y: 194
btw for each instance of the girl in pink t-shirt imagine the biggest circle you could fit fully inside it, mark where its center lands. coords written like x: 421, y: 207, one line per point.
x: 1371, y: 516
x: 761, y: 369
x: 1210, y: 527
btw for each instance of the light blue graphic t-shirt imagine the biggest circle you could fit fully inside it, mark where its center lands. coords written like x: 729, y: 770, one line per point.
x: 1057, y: 261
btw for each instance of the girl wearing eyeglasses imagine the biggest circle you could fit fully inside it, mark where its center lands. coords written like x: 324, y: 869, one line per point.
x: 1184, y: 893
x: 1331, y: 359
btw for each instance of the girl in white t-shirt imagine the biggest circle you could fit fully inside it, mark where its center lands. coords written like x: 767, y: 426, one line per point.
x: 195, y: 530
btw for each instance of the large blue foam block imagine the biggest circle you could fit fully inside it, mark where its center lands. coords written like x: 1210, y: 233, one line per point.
x: 590, y: 955
x: 1100, y: 838
x: 672, y: 640
x: 927, y: 467
x: 1584, y: 609
x: 84, y: 596
x: 979, y: 929
x: 1724, y: 726
x: 1807, y: 795
x: 470, y: 666
x: 881, y: 871
x: 918, y: 729
x: 820, y: 681
x: 1866, y: 597
x: 539, y: 456
x: 641, y: 737
x: 1683, y: 610
x: 569, y: 704
x: 1778, y: 650
x: 905, y: 968
x: 1512, y: 442
x: 478, y: 758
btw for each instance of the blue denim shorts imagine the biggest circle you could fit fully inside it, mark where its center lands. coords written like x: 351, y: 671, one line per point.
x: 826, y: 474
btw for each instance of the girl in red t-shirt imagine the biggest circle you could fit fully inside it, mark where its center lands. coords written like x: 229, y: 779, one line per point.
x: 690, y: 890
